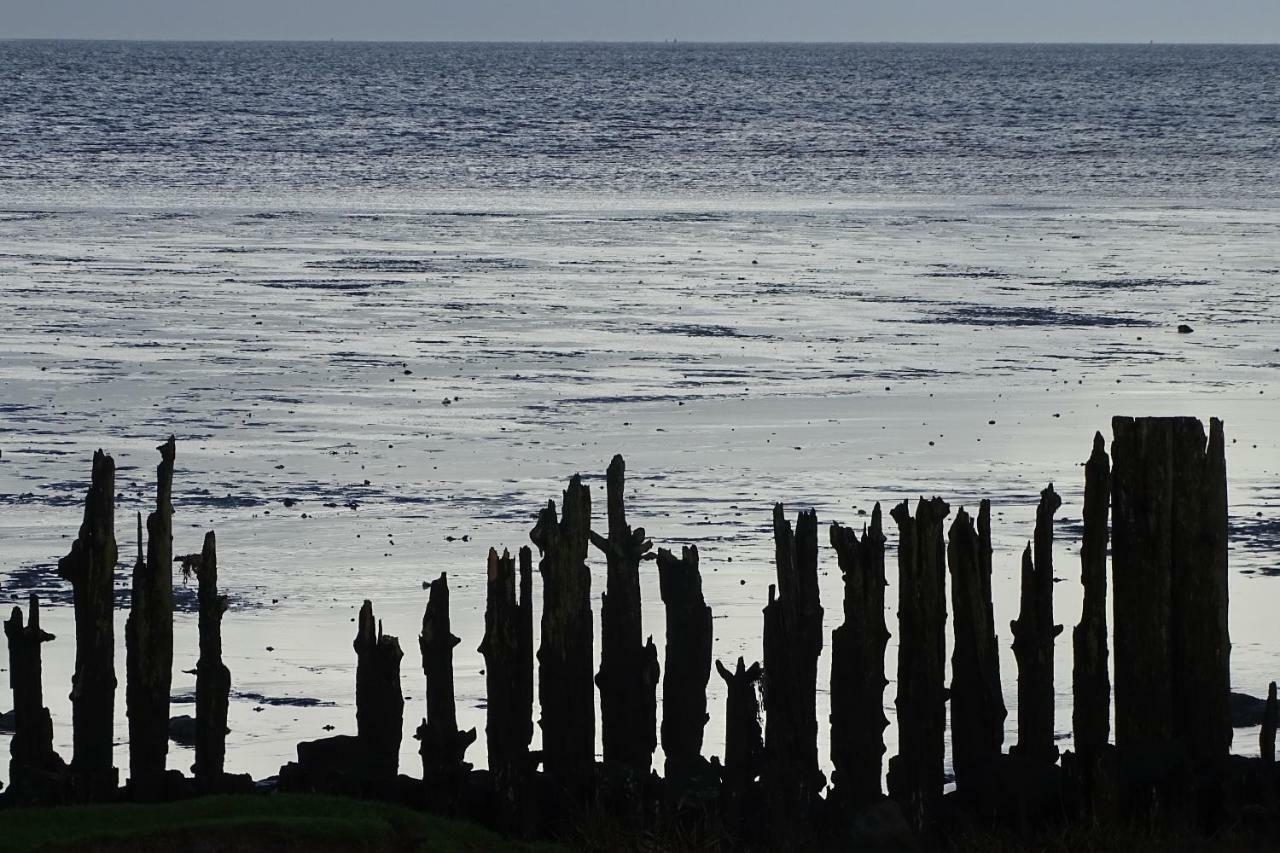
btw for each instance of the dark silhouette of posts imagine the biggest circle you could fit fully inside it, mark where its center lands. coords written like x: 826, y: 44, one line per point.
x: 1270, y: 719
x: 508, y: 657
x: 857, y: 666
x: 565, y: 689
x: 792, y: 644
x: 628, y: 677
x: 1033, y: 636
x: 743, y: 746
x: 213, y: 679
x: 688, y: 661
x: 35, y: 770
x: 915, y: 773
x: 1091, y: 682
x: 149, y: 643
x: 379, y: 699
x: 1169, y: 560
x: 977, y: 701
x: 90, y: 567
x: 443, y: 746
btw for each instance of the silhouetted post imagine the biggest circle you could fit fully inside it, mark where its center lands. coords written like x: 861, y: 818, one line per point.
x: 977, y: 701
x: 90, y: 567
x: 743, y: 746
x: 443, y: 746
x: 508, y: 658
x: 857, y: 666
x: 1091, y: 682
x: 688, y: 662
x: 1169, y: 560
x: 379, y: 699
x: 1033, y: 635
x: 628, y: 678
x: 35, y: 770
x: 565, y: 689
x: 1270, y: 718
x: 915, y: 773
x: 213, y: 679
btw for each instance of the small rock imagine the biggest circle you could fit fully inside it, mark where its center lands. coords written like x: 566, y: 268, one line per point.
x: 1184, y: 329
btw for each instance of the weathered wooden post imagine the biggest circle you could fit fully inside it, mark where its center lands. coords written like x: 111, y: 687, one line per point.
x: 792, y: 643
x: 743, y: 745
x: 1033, y: 636
x: 1169, y: 559
x: 1091, y: 682
x: 443, y: 746
x: 90, y: 567
x: 213, y: 679
x: 1270, y: 719
x: 508, y: 657
x: 149, y: 644
x: 916, y: 772
x: 628, y: 677
x: 688, y: 662
x: 977, y: 701
x: 857, y: 666
x: 379, y: 699
x: 565, y: 688
x: 35, y: 770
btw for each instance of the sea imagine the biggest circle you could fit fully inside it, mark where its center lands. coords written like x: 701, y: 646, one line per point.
x: 390, y: 297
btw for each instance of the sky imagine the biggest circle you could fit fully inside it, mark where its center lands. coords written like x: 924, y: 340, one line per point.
x: 650, y: 20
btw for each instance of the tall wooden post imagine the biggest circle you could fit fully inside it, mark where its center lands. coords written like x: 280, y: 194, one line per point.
x: 1091, y: 682
x: 90, y: 567
x: 379, y: 698
x: 628, y: 677
x: 565, y: 688
x: 443, y: 746
x: 1033, y: 636
x: 743, y: 746
x: 35, y: 770
x: 915, y: 773
x: 213, y: 679
x: 688, y: 662
x: 977, y: 701
x: 1270, y: 719
x: 857, y: 666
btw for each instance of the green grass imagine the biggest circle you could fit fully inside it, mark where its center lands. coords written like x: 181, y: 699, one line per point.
x: 278, y: 822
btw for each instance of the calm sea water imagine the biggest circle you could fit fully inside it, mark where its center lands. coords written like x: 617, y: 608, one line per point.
x: 821, y: 275
x: 395, y: 121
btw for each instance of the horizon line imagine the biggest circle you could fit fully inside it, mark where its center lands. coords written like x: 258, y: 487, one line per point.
x: 605, y: 41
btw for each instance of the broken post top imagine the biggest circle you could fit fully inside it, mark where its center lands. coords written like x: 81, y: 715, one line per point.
x: 678, y: 577
x: 95, y: 546
x: 369, y: 636
x: 14, y: 628
x: 571, y: 529
x: 796, y: 558
x: 435, y: 619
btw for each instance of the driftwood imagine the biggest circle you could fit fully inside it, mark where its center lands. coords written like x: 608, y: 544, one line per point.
x: 1033, y: 636
x: 565, y: 661
x: 688, y: 661
x: 213, y: 679
x: 90, y: 567
x: 379, y: 699
x: 628, y: 677
x: 36, y: 772
x: 977, y: 701
x: 857, y: 666
x: 792, y: 643
x: 443, y: 746
x: 916, y: 772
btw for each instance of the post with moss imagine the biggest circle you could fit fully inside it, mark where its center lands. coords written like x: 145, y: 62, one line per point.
x: 916, y: 772
x: 443, y: 747
x: 628, y: 677
x: 149, y: 644
x: 379, y: 698
x: 857, y: 667
x: 977, y: 700
x: 90, y: 568
x: 565, y: 659
x: 213, y: 679
x: 688, y: 662
x: 36, y: 772
x: 1033, y: 636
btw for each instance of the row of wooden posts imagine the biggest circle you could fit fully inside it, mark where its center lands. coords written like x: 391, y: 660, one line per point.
x: 1168, y: 539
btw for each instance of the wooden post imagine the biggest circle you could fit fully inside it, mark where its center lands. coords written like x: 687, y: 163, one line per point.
x: 628, y: 677
x: 792, y: 644
x: 916, y: 772
x: 90, y: 567
x: 1270, y: 718
x: 1091, y: 682
x: 379, y: 699
x: 1169, y: 560
x: 1033, y: 636
x: 443, y: 746
x: 743, y: 746
x: 213, y: 679
x: 565, y: 688
x: 977, y: 701
x: 35, y: 770
x: 857, y: 666
x: 688, y: 662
